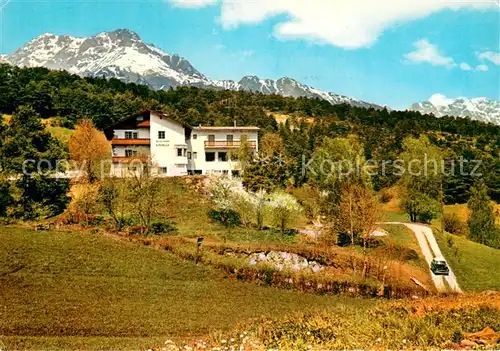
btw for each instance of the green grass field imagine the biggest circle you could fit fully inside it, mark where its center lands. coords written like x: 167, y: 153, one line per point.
x: 476, y: 266
x: 81, y: 290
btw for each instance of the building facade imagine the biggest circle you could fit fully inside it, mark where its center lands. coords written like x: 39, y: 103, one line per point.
x: 174, y: 149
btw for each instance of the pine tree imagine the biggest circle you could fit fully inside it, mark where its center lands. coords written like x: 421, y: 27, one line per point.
x: 33, y: 156
x: 482, y: 219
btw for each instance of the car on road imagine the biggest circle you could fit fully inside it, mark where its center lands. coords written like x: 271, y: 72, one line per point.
x: 439, y: 266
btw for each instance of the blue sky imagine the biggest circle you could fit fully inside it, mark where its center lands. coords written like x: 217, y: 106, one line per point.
x: 390, y: 54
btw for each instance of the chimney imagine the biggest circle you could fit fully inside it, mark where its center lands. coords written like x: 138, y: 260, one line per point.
x: 235, y: 123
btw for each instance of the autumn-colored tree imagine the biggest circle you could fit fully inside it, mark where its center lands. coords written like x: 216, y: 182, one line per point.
x: 88, y: 147
x: 271, y: 145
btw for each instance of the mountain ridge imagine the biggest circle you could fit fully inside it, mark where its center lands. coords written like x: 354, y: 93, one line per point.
x: 480, y: 108
x: 124, y: 55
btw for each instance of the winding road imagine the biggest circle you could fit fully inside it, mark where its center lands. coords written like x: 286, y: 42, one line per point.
x: 430, y: 249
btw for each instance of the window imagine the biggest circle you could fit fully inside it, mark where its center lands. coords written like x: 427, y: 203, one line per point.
x: 210, y: 156
x: 140, y: 118
x: 179, y: 152
x: 195, y: 136
x: 222, y: 156
x: 189, y: 155
x: 130, y: 135
x: 130, y: 153
x: 195, y: 155
x: 161, y: 134
x: 229, y: 139
x: 211, y: 139
x: 162, y: 170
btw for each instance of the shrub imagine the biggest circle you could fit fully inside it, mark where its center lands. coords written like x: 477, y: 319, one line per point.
x: 453, y: 224
x: 385, y: 196
x: 5, y: 197
x: 125, y: 222
x: 163, y: 227
x: 309, y: 198
x: 227, y: 218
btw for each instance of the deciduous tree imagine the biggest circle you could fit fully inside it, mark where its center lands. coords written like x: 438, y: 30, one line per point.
x: 89, y: 147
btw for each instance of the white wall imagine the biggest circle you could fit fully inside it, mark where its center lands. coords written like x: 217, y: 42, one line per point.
x: 164, y: 151
x: 198, y: 145
x: 142, y: 133
x: 119, y: 150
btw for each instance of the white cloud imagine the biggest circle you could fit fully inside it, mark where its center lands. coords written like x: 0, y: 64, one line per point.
x: 482, y: 68
x: 350, y: 24
x: 246, y: 53
x: 193, y: 4
x: 239, y: 55
x: 465, y: 67
x: 490, y: 56
x: 426, y: 52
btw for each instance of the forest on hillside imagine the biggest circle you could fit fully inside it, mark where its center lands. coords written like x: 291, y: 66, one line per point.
x: 67, y: 98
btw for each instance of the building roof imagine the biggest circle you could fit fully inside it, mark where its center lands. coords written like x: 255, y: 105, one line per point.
x: 226, y: 128
x: 132, y: 122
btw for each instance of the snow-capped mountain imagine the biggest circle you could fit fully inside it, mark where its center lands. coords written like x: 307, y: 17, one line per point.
x: 481, y: 109
x: 122, y: 54
x: 289, y: 87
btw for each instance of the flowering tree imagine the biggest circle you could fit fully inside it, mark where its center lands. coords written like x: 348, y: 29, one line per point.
x: 259, y: 204
x: 283, y: 208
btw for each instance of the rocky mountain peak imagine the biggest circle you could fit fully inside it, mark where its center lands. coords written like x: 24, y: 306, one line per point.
x: 122, y: 54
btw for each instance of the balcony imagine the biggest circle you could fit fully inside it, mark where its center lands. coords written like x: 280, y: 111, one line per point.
x: 134, y: 159
x: 216, y: 144
x: 117, y: 141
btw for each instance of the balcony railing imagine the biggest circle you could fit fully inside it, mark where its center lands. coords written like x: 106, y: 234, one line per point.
x: 127, y: 159
x: 142, y: 141
x: 227, y: 144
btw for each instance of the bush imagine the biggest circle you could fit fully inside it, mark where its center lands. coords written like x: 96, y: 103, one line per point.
x: 227, y: 218
x: 385, y: 196
x: 163, y: 227
x: 453, y: 224
x: 5, y: 197
x: 309, y: 198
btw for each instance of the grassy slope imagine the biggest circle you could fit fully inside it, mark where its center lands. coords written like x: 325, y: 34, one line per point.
x: 476, y: 266
x: 96, y: 292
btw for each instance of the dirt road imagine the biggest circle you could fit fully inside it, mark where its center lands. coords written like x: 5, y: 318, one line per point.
x: 430, y: 249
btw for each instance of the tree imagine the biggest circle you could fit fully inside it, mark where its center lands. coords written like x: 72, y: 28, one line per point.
x: 424, y: 166
x: 32, y: 156
x: 337, y: 163
x: 113, y: 196
x: 244, y: 153
x: 267, y: 174
x: 259, y: 205
x: 482, y: 218
x: 358, y: 213
x: 283, y: 208
x: 88, y: 147
x: 420, y: 207
x: 271, y: 145
x: 146, y: 196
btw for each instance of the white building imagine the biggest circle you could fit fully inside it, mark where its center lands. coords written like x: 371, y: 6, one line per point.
x: 175, y: 149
